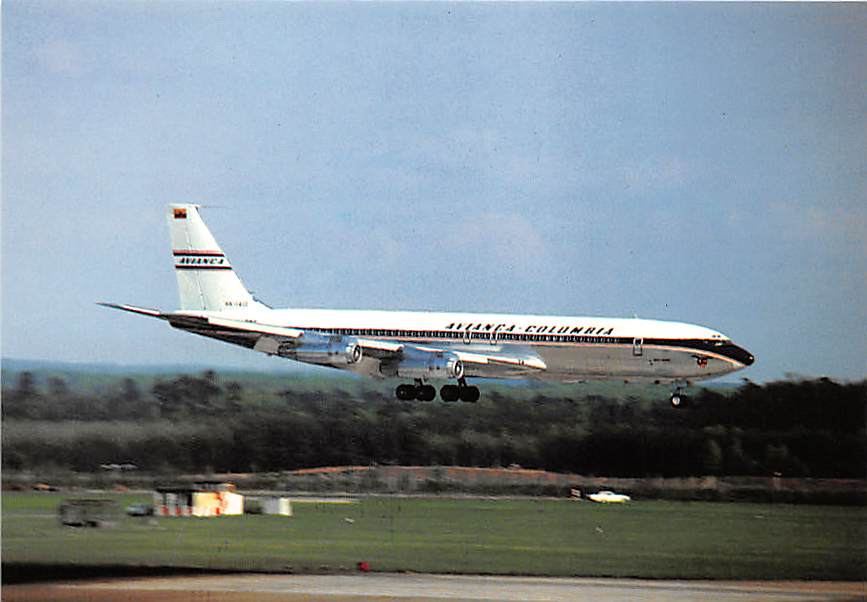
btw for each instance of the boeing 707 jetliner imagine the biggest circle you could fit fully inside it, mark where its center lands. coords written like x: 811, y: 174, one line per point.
x: 425, y: 347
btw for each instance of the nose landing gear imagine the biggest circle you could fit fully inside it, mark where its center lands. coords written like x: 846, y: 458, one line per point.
x: 679, y: 400
x: 678, y: 395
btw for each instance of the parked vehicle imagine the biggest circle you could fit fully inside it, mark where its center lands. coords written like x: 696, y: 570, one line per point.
x: 140, y: 510
x: 609, y: 497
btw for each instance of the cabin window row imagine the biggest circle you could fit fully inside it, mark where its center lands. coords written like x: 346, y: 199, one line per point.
x: 476, y: 336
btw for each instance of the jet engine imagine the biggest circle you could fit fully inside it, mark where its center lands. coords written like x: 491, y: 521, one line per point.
x: 425, y: 365
x: 335, y: 351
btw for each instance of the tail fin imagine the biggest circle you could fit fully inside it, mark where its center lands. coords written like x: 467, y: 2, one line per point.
x: 206, y: 280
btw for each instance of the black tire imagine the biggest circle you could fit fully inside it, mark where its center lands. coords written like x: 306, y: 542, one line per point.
x: 470, y: 394
x: 405, y: 392
x: 425, y: 393
x: 679, y: 400
x: 450, y: 393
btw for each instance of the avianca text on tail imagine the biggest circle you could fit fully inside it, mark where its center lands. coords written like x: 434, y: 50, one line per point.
x: 434, y: 347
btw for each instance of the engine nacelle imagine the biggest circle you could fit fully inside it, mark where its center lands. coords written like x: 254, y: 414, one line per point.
x: 438, y: 365
x: 331, y: 351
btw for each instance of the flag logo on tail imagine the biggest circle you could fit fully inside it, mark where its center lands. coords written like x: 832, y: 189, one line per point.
x: 180, y: 214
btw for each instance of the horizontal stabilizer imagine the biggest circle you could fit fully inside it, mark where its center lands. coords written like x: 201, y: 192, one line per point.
x: 136, y: 310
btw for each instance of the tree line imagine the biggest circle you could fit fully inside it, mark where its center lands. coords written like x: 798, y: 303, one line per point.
x: 808, y: 428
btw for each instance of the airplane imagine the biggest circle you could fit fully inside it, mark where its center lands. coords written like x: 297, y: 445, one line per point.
x: 424, y: 347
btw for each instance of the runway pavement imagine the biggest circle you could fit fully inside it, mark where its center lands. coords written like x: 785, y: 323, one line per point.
x: 393, y: 587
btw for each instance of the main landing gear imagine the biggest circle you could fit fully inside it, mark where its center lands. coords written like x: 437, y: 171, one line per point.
x: 462, y: 392
x: 420, y: 392
x: 448, y: 393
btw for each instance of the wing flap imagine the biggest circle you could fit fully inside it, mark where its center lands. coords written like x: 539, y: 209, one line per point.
x: 256, y: 328
x: 381, y: 350
x: 386, y: 346
x: 530, y: 363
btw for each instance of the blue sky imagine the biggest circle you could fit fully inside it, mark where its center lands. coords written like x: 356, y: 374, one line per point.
x: 695, y: 162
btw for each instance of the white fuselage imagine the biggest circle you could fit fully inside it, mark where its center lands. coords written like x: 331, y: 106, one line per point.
x: 572, y: 348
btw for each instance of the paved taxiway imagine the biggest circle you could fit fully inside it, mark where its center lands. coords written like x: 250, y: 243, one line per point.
x: 392, y: 587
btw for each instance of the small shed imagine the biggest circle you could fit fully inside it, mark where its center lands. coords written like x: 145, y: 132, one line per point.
x: 276, y: 505
x: 204, y: 499
x: 88, y: 513
x: 262, y: 504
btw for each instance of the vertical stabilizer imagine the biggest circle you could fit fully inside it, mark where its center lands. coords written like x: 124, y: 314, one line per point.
x: 206, y: 280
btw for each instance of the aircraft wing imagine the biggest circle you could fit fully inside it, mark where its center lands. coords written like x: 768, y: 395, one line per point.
x: 480, y: 363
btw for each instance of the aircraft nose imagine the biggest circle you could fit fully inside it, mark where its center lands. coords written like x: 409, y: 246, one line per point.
x: 742, y: 355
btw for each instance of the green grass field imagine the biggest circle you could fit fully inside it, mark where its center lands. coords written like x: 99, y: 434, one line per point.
x: 528, y: 537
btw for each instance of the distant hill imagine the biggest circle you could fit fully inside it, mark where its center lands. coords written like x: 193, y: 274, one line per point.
x: 20, y: 365
x: 93, y: 376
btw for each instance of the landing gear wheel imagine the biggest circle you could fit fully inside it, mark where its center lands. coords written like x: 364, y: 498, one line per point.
x: 469, y: 394
x: 450, y: 392
x: 425, y: 393
x: 679, y: 400
x: 405, y: 392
